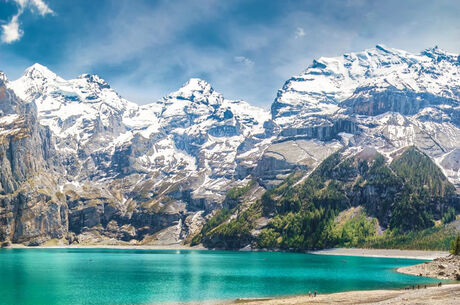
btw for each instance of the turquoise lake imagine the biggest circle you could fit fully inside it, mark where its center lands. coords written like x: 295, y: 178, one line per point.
x: 105, y: 276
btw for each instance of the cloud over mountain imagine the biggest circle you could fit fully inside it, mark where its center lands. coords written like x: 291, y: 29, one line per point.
x: 11, y: 31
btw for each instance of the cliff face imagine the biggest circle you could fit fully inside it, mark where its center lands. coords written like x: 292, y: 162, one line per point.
x: 31, y: 207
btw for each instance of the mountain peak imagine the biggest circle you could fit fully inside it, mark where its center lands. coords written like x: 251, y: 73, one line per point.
x: 383, y: 48
x: 435, y: 50
x: 438, y: 54
x: 3, y: 78
x: 198, y: 91
x: 39, y: 71
x: 93, y: 78
x: 196, y: 84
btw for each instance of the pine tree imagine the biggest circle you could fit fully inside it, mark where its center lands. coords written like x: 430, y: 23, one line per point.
x: 455, y: 246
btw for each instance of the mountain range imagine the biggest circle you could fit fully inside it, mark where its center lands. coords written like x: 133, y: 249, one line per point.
x: 81, y: 164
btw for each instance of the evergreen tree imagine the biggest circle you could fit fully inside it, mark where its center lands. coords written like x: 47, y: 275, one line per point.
x: 455, y: 247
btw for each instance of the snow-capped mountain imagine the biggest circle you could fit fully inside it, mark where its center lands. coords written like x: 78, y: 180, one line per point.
x: 177, y: 156
x: 359, y: 76
x: 90, y: 119
x: 84, y: 114
x: 151, y: 173
x: 381, y: 97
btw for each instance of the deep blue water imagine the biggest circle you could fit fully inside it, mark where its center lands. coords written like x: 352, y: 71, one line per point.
x: 104, y: 276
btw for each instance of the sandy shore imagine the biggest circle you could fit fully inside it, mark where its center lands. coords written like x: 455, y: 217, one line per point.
x: 446, y: 295
x: 395, y: 253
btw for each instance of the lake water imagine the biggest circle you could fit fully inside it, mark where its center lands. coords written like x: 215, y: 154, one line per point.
x: 105, y: 276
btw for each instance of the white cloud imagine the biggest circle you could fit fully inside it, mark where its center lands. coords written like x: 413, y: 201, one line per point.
x: 299, y: 33
x: 41, y: 6
x: 244, y: 60
x: 38, y: 5
x: 11, y: 31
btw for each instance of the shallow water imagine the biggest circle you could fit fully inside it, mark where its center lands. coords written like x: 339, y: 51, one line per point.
x: 105, y: 276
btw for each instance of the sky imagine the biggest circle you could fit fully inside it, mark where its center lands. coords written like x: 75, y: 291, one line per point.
x: 246, y: 49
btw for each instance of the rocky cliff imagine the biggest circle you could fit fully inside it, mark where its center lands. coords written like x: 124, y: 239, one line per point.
x: 32, y: 208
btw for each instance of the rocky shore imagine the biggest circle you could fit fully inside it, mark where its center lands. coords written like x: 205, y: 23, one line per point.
x: 445, y: 268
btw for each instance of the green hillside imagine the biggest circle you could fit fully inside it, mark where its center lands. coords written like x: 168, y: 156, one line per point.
x: 346, y: 201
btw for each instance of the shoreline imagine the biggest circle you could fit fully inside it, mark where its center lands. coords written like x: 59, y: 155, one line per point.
x: 447, y: 294
x: 389, y: 253
x: 443, y: 268
x: 361, y: 252
x: 117, y: 247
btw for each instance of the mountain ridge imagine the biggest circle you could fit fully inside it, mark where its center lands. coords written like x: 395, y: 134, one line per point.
x: 155, y: 173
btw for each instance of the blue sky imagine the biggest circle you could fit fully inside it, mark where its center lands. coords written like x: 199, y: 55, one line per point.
x: 245, y: 48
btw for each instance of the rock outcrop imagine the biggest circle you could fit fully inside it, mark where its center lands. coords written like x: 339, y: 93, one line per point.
x: 444, y: 268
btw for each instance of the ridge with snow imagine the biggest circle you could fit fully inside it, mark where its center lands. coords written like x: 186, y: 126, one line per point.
x: 154, y: 173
